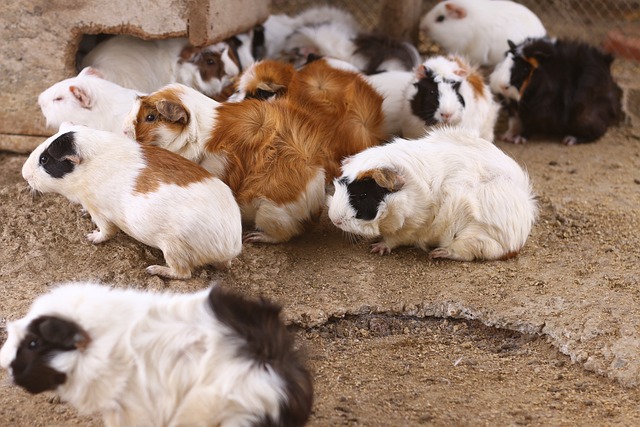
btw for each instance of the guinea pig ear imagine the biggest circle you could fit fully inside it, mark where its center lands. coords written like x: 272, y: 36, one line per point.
x: 454, y: 11
x: 188, y: 52
x: 63, y: 333
x: 387, y: 178
x: 421, y: 72
x: 90, y: 71
x: 83, y: 97
x: 512, y: 46
x: 172, y: 111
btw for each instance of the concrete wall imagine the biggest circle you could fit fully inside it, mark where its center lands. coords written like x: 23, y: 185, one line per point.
x: 40, y: 39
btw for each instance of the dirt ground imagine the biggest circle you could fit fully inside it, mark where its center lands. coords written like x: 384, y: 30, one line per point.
x: 551, y: 337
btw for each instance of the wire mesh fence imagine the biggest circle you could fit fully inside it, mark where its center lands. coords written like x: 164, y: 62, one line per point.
x: 586, y: 20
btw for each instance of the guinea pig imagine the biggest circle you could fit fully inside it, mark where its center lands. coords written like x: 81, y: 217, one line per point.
x: 397, y: 89
x: 271, y: 154
x: 557, y: 87
x: 87, y: 99
x: 209, y: 358
x: 143, y: 65
x: 479, y: 29
x: 451, y: 193
x: 213, y: 69
x: 350, y: 107
x: 448, y: 90
x: 153, y: 195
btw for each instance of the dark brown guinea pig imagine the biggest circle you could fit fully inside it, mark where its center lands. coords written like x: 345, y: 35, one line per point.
x: 562, y: 87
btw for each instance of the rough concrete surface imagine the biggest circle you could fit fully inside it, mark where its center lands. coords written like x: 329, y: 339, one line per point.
x: 550, y: 337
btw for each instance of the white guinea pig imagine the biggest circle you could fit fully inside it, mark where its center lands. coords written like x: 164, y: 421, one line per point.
x: 153, y: 195
x: 448, y: 90
x: 89, y: 100
x: 209, y: 358
x: 479, y: 29
x: 451, y: 192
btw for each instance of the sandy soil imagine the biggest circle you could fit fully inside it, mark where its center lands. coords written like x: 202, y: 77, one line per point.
x: 551, y: 337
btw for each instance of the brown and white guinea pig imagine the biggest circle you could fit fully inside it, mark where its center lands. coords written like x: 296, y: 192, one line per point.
x: 451, y: 192
x: 479, y: 29
x: 341, y: 98
x: 557, y: 87
x: 87, y: 99
x: 209, y: 358
x: 153, y: 195
x: 448, y: 90
x: 213, y: 69
x: 148, y: 65
x: 271, y: 154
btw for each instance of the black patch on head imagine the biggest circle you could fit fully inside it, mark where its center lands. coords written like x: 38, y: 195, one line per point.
x: 365, y: 196
x: 312, y: 57
x: 426, y: 101
x: 260, y: 94
x: 266, y: 341
x: 46, y: 336
x: 378, y: 49
x: 520, y: 71
x: 456, y: 87
x: 54, y: 160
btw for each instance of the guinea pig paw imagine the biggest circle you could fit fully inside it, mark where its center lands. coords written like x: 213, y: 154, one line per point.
x: 570, y: 140
x: 167, y: 272
x: 380, y: 248
x: 258, y: 237
x: 515, y: 139
x: 96, y: 237
x: 440, y: 253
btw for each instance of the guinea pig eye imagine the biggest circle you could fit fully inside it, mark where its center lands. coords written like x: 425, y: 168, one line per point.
x: 210, y: 61
x: 150, y: 118
x: 44, y: 159
x: 362, y: 196
x: 34, y: 343
x: 58, y: 98
x: 440, y: 18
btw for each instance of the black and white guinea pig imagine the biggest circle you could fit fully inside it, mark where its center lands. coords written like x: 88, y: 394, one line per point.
x: 451, y: 192
x: 155, y: 196
x: 479, y: 29
x: 207, y: 358
x: 448, y: 90
x: 87, y: 99
x: 557, y: 87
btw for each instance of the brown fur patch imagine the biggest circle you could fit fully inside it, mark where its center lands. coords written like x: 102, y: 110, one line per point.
x: 273, y: 149
x: 170, y: 101
x: 165, y: 167
x: 534, y: 65
x: 477, y: 84
x: 385, y: 178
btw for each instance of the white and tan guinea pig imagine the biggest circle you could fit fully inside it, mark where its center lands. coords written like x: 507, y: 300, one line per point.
x: 479, y: 29
x: 448, y: 90
x: 153, y: 195
x: 271, y: 154
x: 87, y: 99
x: 210, y: 358
x: 451, y: 193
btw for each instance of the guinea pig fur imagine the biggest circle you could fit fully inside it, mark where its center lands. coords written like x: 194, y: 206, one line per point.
x: 89, y: 100
x: 153, y: 195
x: 143, y: 65
x: 397, y: 89
x: 452, y: 193
x: 479, y: 29
x: 450, y: 91
x: 558, y: 87
x: 271, y: 154
x: 210, y: 358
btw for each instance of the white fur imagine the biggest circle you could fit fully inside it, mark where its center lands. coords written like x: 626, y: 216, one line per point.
x: 461, y: 195
x: 193, y: 225
x: 482, y: 34
x: 396, y: 89
x: 144, y: 65
x: 87, y: 100
x: 479, y: 113
x: 499, y: 80
x: 153, y: 360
